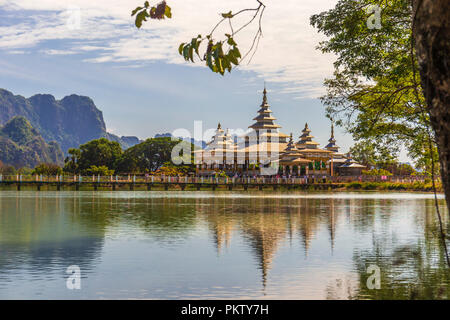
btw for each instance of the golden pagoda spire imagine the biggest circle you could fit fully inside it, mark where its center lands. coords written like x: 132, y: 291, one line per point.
x: 332, y: 129
x: 219, y: 126
x: 264, y: 94
x: 331, y: 146
x: 306, y: 139
x: 264, y: 119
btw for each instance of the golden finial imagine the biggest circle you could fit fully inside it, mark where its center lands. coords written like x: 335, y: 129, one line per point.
x: 264, y: 94
x: 332, y: 129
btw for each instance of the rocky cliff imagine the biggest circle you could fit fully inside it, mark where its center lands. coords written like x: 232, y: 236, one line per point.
x: 22, y: 146
x: 71, y: 121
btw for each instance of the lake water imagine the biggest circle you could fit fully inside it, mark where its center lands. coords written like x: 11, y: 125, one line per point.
x: 208, y: 245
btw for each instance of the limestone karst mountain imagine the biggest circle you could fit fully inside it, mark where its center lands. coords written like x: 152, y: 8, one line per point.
x: 21, y: 145
x: 71, y: 121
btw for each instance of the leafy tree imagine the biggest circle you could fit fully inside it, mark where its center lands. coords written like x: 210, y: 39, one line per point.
x: 71, y: 162
x: 370, y: 153
x: 374, y: 91
x: 47, y: 169
x: 377, y: 172
x: 431, y: 30
x: 100, y: 170
x: 396, y: 168
x: 7, y: 170
x: 383, y: 86
x: 149, y: 155
x: 364, y: 153
x: 169, y: 169
x: 99, y: 152
x: 392, y: 82
x: 425, y: 160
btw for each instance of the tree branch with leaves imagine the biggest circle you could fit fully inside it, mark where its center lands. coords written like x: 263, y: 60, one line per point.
x: 220, y: 54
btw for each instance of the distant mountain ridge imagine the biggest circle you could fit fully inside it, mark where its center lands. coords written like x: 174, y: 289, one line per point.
x: 22, y: 146
x: 71, y: 121
x: 201, y: 144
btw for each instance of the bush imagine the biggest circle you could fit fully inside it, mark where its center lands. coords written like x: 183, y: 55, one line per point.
x: 370, y: 186
x: 8, y: 170
x: 376, y: 172
x: 47, y: 169
x: 354, y: 185
x: 100, y: 170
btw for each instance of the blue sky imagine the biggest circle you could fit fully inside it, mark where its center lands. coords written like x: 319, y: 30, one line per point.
x: 143, y: 86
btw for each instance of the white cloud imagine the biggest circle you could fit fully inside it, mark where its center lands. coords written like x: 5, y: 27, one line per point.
x: 286, y: 53
x: 58, y: 52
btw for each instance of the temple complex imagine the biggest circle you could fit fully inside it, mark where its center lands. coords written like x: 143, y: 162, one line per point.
x: 265, y: 150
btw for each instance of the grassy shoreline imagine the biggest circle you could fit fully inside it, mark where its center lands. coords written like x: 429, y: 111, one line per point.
x: 394, y: 186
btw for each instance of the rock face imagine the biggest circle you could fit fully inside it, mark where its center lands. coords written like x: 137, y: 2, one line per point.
x: 125, y: 141
x: 71, y: 121
x: 22, y: 146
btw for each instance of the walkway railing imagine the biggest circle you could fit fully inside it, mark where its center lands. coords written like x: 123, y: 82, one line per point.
x: 204, y: 180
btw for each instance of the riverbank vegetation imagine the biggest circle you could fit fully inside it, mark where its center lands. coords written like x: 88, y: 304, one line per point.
x: 104, y: 157
x: 426, y: 186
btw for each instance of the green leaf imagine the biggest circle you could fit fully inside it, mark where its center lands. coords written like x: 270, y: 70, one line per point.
x: 220, y: 66
x: 186, y: 52
x: 136, y: 10
x: 197, y: 45
x: 237, y: 53
x: 227, y: 15
x: 219, y: 47
x: 168, y: 12
x: 231, y: 42
x: 180, y: 48
x: 226, y: 63
x: 140, y: 17
x: 209, y: 62
x: 146, y: 4
x: 233, y: 58
x: 191, y: 53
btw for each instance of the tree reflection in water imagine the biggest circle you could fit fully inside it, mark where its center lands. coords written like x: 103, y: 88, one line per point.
x: 400, y: 236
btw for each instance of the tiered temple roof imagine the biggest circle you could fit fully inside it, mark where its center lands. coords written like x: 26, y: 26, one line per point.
x: 264, y: 143
x: 306, y: 139
x: 265, y: 136
x: 350, y: 163
x: 221, y: 141
x: 264, y: 119
x: 220, y: 147
x: 332, y: 146
x: 292, y: 155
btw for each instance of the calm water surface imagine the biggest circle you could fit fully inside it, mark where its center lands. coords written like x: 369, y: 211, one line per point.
x: 201, y: 245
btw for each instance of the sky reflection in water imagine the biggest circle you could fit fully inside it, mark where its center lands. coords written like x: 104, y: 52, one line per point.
x: 200, y: 245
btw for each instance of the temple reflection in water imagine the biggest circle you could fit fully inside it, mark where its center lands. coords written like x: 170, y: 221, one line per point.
x: 269, y: 225
x: 220, y: 245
